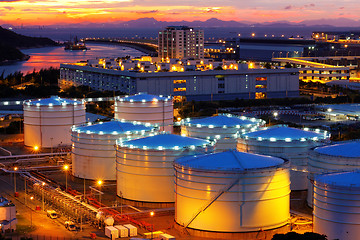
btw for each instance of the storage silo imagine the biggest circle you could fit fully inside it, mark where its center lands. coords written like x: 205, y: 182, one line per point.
x: 290, y: 143
x: 337, y: 205
x: 93, y: 151
x: 47, y: 122
x: 144, y: 107
x: 231, y: 192
x: 344, y: 156
x: 144, y: 166
x: 223, y: 127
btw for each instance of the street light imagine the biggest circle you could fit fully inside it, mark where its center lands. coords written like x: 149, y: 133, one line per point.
x: 31, y: 198
x: 66, y: 168
x: 15, y: 169
x: 43, y: 203
x: 152, y: 226
x: 99, y: 183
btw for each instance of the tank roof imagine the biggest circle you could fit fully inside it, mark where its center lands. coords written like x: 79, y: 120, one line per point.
x: 144, y: 97
x: 165, y: 141
x: 283, y: 132
x: 52, y: 101
x: 114, y: 127
x: 346, y: 149
x: 340, y: 179
x: 230, y: 160
x: 223, y: 120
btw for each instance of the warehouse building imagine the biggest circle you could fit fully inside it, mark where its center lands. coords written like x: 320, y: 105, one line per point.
x: 184, y: 80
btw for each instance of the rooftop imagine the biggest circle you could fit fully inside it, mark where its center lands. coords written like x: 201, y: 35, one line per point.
x: 144, y: 97
x: 283, y: 132
x: 342, y: 179
x: 52, y: 101
x: 113, y: 127
x: 229, y: 161
x: 165, y: 141
x: 223, y: 120
x: 346, y: 149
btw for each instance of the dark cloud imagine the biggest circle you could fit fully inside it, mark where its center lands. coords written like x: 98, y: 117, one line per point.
x: 9, y: 8
x: 341, y: 8
x: 146, y: 12
x: 290, y: 7
x: 309, y: 5
x: 10, y: 0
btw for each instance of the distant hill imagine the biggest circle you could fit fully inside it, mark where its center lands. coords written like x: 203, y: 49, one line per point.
x: 210, y: 23
x: 11, y: 42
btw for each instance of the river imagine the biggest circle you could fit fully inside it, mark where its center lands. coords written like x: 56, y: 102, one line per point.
x: 52, y: 57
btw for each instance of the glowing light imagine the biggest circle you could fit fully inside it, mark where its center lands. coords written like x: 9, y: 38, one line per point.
x: 66, y: 167
x: 99, y: 182
x: 36, y: 148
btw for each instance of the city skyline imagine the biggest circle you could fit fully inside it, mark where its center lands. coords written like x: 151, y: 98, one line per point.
x: 53, y: 12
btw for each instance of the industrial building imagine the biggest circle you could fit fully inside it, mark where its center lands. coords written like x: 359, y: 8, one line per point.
x: 8, y: 219
x: 223, y: 127
x: 184, y: 80
x: 144, y: 166
x: 181, y: 42
x: 93, y: 151
x: 336, y: 205
x: 47, y: 122
x: 147, y: 108
x: 343, y: 156
x: 290, y: 143
x: 231, y: 192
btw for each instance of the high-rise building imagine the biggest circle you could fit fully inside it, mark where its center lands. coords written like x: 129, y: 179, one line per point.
x: 181, y: 42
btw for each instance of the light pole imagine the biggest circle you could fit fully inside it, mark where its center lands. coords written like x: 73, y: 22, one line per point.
x: 66, y: 168
x: 15, y: 169
x: 43, y: 203
x: 152, y: 226
x: 99, y: 183
x: 31, y: 198
x: 25, y: 191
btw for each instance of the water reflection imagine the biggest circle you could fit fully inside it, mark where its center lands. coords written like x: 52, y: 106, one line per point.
x: 53, y: 56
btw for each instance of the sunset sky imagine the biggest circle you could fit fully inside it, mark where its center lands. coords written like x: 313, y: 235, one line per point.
x: 48, y: 12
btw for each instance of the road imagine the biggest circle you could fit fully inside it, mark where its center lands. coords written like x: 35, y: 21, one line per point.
x: 35, y: 223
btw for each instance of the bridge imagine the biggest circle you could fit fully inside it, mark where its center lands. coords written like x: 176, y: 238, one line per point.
x: 149, y: 47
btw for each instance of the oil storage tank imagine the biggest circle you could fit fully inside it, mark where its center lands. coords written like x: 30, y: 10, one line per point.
x: 337, y: 205
x: 47, y: 122
x: 144, y: 166
x: 223, y: 127
x: 344, y: 156
x: 93, y: 150
x: 290, y: 143
x: 231, y: 192
x: 145, y: 107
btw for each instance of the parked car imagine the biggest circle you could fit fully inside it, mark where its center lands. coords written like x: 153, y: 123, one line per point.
x: 52, y: 214
x: 69, y: 225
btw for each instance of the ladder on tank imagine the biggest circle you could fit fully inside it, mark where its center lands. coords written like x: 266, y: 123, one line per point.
x: 212, y: 200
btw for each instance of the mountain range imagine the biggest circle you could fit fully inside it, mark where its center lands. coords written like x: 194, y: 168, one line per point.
x: 212, y: 22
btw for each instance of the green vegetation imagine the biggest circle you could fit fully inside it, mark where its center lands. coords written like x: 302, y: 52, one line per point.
x: 10, y: 42
x: 10, y: 54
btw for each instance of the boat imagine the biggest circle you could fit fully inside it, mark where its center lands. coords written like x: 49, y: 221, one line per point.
x: 75, y: 45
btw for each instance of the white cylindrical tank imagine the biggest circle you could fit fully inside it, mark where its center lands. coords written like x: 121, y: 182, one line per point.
x: 224, y: 128
x: 148, y: 108
x: 232, y: 192
x: 93, y: 150
x: 337, y: 205
x: 144, y: 166
x: 283, y: 141
x: 47, y: 122
x: 344, y: 156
